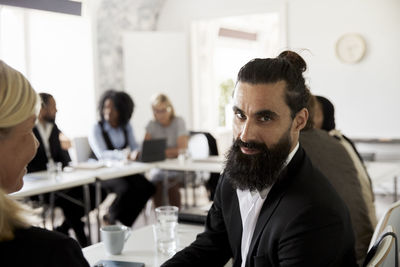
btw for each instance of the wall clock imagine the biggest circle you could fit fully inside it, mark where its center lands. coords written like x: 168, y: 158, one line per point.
x: 351, y: 48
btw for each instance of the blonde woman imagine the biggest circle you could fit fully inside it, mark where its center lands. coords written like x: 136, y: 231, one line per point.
x: 167, y: 125
x: 20, y: 243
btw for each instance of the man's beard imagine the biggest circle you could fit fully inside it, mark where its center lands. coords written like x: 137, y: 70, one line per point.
x: 257, y: 171
x: 50, y: 119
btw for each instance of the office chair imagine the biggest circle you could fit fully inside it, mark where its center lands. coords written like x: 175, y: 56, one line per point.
x: 211, y: 181
x: 382, y: 253
x: 391, y: 217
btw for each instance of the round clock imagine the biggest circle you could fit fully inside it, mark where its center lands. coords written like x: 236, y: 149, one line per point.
x: 350, y: 48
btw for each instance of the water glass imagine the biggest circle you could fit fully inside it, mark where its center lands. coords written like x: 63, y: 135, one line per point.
x: 183, y: 156
x: 165, y: 229
x: 54, y: 169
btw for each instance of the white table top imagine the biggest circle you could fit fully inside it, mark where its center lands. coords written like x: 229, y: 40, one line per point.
x: 381, y: 172
x: 141, y: 247
x: 122, y: 170
x: 192, y: 165
x: 39, y: 182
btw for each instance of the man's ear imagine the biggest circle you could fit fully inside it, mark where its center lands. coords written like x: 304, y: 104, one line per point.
x: 300, y: 120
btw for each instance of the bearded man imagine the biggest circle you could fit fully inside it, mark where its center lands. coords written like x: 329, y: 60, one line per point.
x: 272, y: 207
x: 49, y: 137
x: 51, y: 150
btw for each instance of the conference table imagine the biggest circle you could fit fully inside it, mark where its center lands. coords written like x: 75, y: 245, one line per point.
x: 210, y: 164
x: 141, y: 246
x: 382, y: 172
x: 38, y: 183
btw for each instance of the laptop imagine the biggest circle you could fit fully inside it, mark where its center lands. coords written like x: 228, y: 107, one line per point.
x: 153, y: 150
x: 194, y: 215
x: 83, y: 155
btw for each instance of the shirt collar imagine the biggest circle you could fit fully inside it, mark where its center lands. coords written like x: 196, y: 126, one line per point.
x: 291, y: 154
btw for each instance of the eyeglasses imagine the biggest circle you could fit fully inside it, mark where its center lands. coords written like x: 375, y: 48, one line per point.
x: 162, y: 111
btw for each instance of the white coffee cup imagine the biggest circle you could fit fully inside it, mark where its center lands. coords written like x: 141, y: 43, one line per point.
x: 114, y: 238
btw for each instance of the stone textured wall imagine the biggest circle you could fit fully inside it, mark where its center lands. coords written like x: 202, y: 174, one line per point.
x: 113, y: 18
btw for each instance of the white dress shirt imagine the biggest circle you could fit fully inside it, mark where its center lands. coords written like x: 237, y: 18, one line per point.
x: 250, y: 203
x: 45, y: 131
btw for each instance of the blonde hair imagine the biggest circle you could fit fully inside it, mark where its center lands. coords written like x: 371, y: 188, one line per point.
x: 163, y: 99
x: 18, y: 100
x: 12, y: 215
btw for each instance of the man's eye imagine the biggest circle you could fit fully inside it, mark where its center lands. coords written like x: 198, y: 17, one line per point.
x: 265, y: 118
x: 240, y: 116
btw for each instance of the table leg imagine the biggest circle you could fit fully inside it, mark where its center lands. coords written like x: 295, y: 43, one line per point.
x: 86, y: 200
x: 165, y: 198
x: 98, y: 201
x: 194, y: 189
x: 395, y: 188
x: 185, y: 185
x: 52, y: 200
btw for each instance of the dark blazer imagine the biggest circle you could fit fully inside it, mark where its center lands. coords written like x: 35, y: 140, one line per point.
x: 59, y: 155
x: 303, y: 222
x: 38, y: 247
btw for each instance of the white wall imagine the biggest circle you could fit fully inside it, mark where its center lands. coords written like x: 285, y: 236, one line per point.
x: 156, y: 62
x: 366, y: 94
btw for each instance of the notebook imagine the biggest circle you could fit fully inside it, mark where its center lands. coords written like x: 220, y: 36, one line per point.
x: 153, y: 150
x: 111, y: 263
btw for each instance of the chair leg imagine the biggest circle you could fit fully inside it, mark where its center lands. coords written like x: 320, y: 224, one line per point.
x: 52, y: 200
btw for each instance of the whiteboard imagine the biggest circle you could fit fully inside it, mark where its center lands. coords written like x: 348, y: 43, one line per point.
x: 156, y: 62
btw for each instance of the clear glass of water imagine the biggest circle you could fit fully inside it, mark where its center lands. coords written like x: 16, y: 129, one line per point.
x: 166, y: 229
x: 54, y: 169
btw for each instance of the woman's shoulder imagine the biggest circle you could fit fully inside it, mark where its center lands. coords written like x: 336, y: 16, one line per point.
x: 37, y: 242
x: 178, y: 120
x: 36, y: 234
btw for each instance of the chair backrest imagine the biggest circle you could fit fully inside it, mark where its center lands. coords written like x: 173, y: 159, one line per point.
x: 211, y: 141
x: 391, y: 217
x: 198, y: 146
x: 383, y: 252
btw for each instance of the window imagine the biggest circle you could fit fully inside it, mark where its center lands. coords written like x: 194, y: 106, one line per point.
x: 54, y: 51
x: 220, y: 47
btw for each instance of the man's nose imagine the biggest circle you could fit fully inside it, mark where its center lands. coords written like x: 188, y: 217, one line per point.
x: 247, y: 134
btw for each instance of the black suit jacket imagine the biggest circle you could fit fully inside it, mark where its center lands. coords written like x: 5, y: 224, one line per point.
x: 58, y: 154
x: 303, y: 222
x: 38, y: 247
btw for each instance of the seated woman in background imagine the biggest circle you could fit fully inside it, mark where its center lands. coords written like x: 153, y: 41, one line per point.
x: 111, y: 137
x: 324, y: 119
x: 167, y: 125
x: 20, y: 243
x: 340, y: 167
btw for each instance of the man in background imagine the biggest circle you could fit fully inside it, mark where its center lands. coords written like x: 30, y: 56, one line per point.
x: 52, y: 149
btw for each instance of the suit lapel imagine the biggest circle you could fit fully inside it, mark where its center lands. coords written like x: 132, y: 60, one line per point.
x: 274, y: 197
x: 235, y: 224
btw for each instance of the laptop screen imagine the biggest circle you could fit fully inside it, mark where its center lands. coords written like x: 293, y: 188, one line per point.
x: 153, y: 150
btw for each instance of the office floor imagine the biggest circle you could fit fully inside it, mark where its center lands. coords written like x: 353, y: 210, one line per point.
x: 382, y: 202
